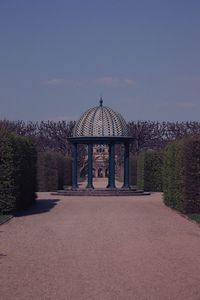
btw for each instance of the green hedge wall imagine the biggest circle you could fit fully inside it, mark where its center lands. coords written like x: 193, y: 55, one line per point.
x: 7, y: 199
x: 54, y: 171
x: 181, y: 175
x: 25, y: 170
x: 18, y: 161
x: 140, y: 170
x: 133, y: 170
x: 149, y: 170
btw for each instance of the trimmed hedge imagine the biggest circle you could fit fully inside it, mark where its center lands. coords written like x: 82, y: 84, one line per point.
x: 149, y: 170
x: 64, y: 171
x: 25, y: 170
x: 7, y: 199
x: 54, y: 171
x: 133, y: 170
x: 181, y: 175
x: 140, y: 170
x: 18, y: 160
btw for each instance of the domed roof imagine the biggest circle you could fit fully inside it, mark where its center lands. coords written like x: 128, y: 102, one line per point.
x: 101, y: 121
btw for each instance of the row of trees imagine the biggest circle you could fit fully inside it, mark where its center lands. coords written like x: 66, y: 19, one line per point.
x: 155, y: 135
x: 48, y: 136
x: 52, y: 135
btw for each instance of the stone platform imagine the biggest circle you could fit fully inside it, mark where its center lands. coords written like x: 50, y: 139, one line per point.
x: 101, y: 192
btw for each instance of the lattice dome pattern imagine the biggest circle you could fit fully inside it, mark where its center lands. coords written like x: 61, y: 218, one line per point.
x: 101, y: 121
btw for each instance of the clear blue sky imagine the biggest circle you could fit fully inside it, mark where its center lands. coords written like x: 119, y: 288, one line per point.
x: 57, y: 57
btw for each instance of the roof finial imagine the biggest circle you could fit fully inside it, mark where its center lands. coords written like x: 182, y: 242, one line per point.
x: 101, y: 101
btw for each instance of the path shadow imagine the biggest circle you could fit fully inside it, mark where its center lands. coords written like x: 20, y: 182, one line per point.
x: 41, y: 206
x: 1, y: 256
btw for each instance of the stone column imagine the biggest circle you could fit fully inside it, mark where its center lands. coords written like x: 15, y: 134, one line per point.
x: 126, y: 166
x: 111, y: 177
x: 109, y: 165
x: 74, y: 167
x: 90, y: 163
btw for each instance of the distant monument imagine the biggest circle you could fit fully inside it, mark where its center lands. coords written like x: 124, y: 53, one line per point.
x: 100, y: 162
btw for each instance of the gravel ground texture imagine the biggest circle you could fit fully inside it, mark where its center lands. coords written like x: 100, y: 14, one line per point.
x: 100, y: 248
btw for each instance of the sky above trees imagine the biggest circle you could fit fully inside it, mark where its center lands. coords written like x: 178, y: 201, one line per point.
x: 58, y: 57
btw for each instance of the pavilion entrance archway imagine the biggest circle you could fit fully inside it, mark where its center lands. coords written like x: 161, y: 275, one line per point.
x: 90, y: 142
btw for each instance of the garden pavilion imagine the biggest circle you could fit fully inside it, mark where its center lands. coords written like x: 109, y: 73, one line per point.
x: 101, y: 125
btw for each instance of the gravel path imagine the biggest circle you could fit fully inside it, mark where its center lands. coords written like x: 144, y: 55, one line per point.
x: 107, y: 248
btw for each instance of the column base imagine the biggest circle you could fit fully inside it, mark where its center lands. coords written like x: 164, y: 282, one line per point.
x: 74, y: 188
x: 126, y: 187
x: 111, y: 187
x: 90, y: 187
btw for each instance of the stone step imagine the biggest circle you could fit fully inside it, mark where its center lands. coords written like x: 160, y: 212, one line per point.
x: 101, y: 192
